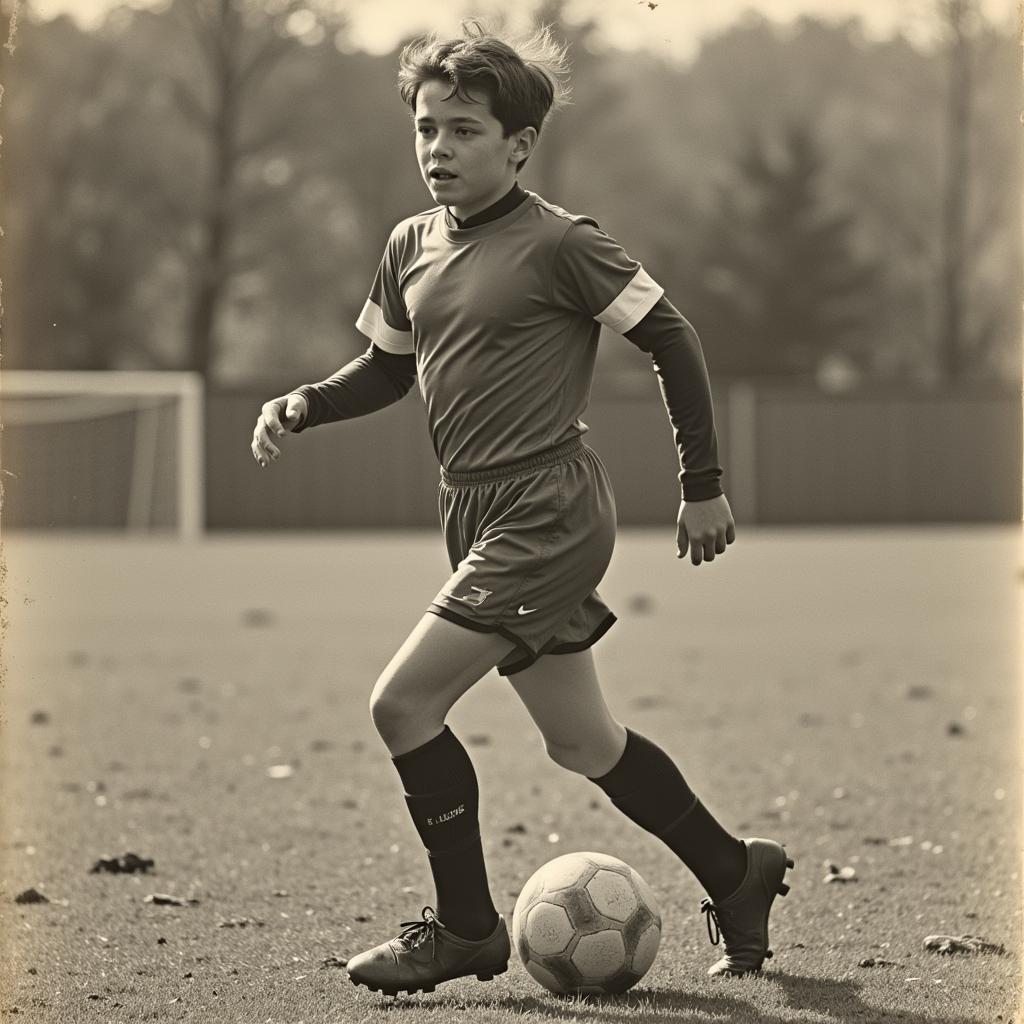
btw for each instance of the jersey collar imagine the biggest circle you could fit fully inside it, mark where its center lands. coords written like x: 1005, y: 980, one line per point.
x: 506, y: 204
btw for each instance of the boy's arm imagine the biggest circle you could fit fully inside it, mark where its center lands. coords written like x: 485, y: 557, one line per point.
x: 672, y: 343
x: 705, y: 525
x: 386, y: 371
x: 593, y: 274
x: 370, y: 382
x: 383, y: 374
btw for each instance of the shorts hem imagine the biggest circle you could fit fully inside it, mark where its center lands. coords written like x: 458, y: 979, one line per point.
x: 571, y: 647
x: 482, y: 627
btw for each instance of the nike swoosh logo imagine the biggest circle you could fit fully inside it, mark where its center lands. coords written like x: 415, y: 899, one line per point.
x: 526, y: 611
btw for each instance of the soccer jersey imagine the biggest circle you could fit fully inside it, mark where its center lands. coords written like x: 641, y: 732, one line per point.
x: 498, y: 317
x: 379, y: 376
x: 504, y: 320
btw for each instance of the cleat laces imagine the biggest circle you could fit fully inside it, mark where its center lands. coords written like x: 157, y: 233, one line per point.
x: 415, y: 933
x: 707, y: 907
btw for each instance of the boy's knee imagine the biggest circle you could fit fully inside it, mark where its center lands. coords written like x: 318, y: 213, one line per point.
x: 572, y: 758
x: 593, y: 757
x: 388, y: 714
x: 400, y: 720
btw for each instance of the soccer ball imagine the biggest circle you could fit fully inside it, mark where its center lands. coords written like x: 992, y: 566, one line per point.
x: 586, y: 923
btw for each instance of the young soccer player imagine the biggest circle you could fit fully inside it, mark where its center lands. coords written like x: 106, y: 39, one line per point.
x: 493, y: 301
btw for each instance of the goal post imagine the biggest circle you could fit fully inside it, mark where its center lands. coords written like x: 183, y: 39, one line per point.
x: 147, y: 460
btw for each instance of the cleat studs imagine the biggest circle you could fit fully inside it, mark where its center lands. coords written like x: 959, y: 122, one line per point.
x: 425, y: 989
x: 789, y: 862
x: 783, y: 889
x: 485, y: 977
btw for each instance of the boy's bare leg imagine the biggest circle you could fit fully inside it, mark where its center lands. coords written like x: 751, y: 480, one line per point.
x: 563, y: 696
x: 435, y: 666
x: 438, y: 662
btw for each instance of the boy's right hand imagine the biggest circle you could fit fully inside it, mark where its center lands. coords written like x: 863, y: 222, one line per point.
x: 277, y: 417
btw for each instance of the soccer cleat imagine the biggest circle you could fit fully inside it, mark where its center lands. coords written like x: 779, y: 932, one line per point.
x: 742, y: 918
x: 425, y: 954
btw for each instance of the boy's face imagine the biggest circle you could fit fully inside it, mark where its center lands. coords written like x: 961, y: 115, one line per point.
x: 465, y: 161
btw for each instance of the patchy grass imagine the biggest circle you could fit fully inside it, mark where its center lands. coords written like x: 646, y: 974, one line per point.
x: 852, y: 693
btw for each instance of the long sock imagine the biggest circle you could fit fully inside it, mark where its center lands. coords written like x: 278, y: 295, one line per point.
x: 443, y: 798
x: 648, y: 788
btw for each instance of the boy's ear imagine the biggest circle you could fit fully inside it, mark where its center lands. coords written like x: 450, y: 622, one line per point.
x: 525, y: 141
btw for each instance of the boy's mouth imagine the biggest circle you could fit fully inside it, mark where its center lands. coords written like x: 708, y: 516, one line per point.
x: 437, y: 174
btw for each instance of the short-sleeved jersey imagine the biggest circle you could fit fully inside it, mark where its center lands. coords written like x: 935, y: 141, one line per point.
x: 504, y: 320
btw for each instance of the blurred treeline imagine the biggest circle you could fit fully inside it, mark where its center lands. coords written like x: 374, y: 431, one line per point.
x: 209, y: 186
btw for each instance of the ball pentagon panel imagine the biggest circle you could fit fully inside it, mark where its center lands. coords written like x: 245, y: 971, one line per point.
x: 548, y: 929
x: 571, y: 869
x: 613, y: 894
x: 600, y: 955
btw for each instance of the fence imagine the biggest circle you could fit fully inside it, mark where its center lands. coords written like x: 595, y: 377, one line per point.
x: 792, y: 456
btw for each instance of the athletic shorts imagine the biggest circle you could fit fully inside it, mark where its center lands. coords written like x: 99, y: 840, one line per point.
x: 528, y: 543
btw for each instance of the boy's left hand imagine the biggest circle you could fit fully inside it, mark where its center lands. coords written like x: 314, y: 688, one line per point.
x: 705, y: 528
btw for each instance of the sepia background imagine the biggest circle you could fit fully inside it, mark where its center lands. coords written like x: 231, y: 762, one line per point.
x: 196, y: 195
x: 830, y: 192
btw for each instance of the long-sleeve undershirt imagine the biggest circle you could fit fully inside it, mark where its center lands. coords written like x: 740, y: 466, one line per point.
x: 672, y: 343
x: 370, y: 382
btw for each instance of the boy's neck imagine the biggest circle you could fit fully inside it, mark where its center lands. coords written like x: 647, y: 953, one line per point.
x: 508, y: 202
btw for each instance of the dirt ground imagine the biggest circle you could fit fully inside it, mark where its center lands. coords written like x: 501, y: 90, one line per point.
x: 853, y: 693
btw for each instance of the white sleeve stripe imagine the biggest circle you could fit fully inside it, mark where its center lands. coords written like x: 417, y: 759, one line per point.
x: 632, y: 304
x: 371, y: 322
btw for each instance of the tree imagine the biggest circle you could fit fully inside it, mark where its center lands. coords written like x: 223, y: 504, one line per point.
x: 781, y: 281
x: 232, y: 49
x: 63, y: 277
x: 114, y: 218
x: 958, y: 15
x: 548, y: 166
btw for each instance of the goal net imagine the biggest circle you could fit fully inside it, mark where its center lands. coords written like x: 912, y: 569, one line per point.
x: 104, y: 450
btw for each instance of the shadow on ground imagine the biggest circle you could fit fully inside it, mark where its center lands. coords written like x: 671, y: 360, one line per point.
x: 839, y: 1000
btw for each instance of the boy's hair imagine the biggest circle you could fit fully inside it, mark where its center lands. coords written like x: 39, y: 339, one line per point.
x: 524, y: 79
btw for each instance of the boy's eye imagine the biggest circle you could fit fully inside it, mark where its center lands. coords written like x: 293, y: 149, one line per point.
x: 426, y: 129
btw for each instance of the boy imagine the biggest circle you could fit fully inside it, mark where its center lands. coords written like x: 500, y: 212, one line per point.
x: 493, y: 300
